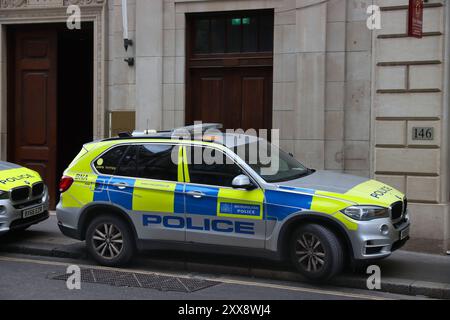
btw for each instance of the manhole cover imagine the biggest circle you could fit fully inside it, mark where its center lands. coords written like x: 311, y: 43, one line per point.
x: 139, y: 280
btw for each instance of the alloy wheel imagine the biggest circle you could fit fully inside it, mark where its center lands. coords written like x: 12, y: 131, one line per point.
x: 107, y: 240
x: 310, y: 252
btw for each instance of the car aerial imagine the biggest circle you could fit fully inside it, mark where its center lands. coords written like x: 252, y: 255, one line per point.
x: 151, y: 190
x: 23, y: 198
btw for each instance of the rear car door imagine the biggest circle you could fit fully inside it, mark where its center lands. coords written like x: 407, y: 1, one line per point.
x: 216, y: 213
x: 142, y: 180
x: 158, y: 203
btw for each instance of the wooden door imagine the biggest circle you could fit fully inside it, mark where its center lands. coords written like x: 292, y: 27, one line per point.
x: 229, y: 67
x: 32, y: 113
x: 236, y: 97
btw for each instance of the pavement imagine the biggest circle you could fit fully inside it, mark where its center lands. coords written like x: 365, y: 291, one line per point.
x: 404, y: 272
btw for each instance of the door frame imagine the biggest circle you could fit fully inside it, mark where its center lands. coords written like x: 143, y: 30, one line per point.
x: 94, y: 13
x: 225, y: 60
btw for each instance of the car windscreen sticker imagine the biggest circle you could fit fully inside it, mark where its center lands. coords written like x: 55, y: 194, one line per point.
x: 240, y: 209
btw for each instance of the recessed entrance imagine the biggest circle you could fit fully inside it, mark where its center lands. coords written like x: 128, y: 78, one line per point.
x: 50, y: 97
x: 230, y: 68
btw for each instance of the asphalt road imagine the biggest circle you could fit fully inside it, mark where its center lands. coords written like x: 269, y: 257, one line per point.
x: 29, y: 277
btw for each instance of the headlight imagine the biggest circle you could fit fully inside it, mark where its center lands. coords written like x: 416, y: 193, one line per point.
x: 365, y: 213
x: 4, y: 195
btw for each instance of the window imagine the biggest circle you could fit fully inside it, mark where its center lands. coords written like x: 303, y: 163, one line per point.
x: 211, y: 167
x: 128, y: 165
x: 250, y: 34
x: 288, y: 168
x: 250, y: 31
x: 155, y: 162
x: 108, y: 162
x: 218, y: 35
x: 201, y: 36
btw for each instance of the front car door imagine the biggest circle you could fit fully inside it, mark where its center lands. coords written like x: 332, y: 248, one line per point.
x: 216, y: 213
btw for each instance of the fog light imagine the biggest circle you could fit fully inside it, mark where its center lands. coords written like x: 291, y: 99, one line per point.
x: 384, y: 229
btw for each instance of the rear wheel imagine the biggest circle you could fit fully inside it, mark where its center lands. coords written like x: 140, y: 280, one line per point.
x: 109, y: 241
x: 316, y: 252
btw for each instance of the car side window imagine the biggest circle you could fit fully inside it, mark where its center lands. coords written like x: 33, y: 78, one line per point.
x: 155, y: 162
x: 108, y: 162
x: 211, y: 167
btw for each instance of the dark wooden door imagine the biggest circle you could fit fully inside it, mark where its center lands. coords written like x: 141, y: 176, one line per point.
x: 236, y: 97
x: 32, y: 114
x: 229, y: 67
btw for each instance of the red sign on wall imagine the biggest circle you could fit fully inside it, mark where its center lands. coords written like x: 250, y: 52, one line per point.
x: 415, y: 18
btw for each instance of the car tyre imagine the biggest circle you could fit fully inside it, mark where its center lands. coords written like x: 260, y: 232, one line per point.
x: 109, y: 240
x: 316, y: 252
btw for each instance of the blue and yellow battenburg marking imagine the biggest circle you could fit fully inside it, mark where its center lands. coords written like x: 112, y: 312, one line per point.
x: 280, y: 204
x: 143, y: 195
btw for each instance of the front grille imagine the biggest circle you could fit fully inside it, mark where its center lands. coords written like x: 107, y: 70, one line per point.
x: 38, y: 189
x: 27, y: 204
x: 20, y: 194
x: 398, y: 209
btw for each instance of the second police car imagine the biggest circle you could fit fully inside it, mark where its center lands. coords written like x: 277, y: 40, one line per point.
x: 23, y: 198
x: 127, y: 193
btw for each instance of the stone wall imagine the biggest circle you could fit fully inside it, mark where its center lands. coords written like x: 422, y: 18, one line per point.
x: 408, y: 79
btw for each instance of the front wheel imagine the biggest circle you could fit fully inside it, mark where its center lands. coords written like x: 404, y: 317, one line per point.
x: 316, y: 252
x: 109, y: 241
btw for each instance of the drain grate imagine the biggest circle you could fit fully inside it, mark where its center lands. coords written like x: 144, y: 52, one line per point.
x: 139, y: 280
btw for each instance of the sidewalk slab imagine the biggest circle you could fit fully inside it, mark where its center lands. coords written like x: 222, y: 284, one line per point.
x: 404, y: 272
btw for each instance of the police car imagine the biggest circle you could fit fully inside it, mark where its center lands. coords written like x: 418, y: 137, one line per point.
x: 23, y: 198
x: 152, y: 190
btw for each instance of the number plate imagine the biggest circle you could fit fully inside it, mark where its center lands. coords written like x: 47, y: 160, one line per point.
x: 404, y: 233
x: 32, y: 211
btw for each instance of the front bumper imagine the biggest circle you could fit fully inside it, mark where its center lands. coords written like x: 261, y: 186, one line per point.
x: 369, y: 242
x: 11, y: 213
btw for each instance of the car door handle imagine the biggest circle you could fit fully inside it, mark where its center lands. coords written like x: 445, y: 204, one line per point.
x: 196, y: 194
x: 120, y: 185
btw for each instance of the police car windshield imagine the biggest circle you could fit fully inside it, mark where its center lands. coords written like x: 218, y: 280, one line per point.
x: 270, y: 162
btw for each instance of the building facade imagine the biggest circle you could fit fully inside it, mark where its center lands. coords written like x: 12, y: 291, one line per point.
x: 345, y: 98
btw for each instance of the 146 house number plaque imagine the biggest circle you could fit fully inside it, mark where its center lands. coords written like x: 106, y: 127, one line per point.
x: 422, y: 133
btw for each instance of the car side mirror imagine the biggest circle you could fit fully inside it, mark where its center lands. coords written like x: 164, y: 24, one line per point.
x: 242, y: 182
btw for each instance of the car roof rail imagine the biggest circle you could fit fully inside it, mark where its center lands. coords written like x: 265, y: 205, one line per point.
x: 200, y: 127
x: 192, y: 130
